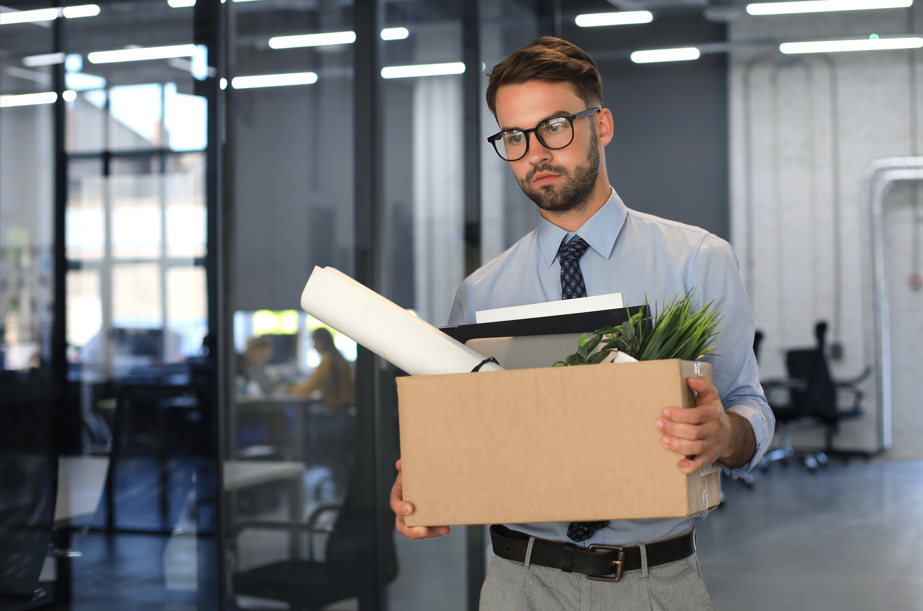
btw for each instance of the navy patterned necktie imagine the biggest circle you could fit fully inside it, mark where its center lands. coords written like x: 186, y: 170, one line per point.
x: 572, y: 287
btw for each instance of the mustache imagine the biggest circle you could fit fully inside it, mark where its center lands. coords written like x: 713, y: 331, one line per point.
x: 557, y: 169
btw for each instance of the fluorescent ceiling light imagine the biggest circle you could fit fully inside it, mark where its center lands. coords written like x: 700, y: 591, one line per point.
x: 48, y: 59
x: 44, y: 14
x: 86, y: 10
x: 665, y: 55
x: 312, y: 40
x: 394, y: 33
x: 28, y: 99
x: 180, y: 3
x: 273, y: 80
x: 69, y: 95
x: 49, y: 14
x: 79, y: 81
x: 133, y: 55
x: 223, y: 83
x: 593, y: 20
x: 823, y: 6
x: 863, y: 44
x: 422, y: 70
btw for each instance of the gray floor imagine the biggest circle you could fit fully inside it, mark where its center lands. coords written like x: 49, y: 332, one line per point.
x: 848, y: 537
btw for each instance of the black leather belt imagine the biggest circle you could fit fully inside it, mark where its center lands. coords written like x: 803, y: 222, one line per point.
x: 597, y: 562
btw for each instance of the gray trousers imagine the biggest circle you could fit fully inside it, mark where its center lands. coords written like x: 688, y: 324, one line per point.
x: 514, y: 586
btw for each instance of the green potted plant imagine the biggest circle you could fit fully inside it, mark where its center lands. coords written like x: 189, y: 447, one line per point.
x: 680, y: 331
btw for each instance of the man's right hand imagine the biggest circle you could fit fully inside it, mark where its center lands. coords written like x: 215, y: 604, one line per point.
x: 402, y: 509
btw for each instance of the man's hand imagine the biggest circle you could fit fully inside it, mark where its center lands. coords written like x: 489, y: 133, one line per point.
x: 401, y: 509
x: 706, y: 433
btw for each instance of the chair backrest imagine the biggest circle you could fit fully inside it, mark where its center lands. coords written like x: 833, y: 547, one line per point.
x: 351, y: 549
x: 818, y: 399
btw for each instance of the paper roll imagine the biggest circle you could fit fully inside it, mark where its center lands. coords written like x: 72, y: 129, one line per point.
x: 384, y: 328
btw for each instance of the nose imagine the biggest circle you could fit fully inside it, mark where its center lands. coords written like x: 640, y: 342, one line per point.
x: 537, y: 152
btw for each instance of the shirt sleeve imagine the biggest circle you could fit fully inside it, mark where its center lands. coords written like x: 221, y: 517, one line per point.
x: 316, y: 381
x: 715, y: 276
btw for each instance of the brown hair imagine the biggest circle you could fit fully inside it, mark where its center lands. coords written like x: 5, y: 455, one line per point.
x: 548, y: 59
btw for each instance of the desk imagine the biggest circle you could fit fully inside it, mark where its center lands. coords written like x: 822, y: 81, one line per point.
x: 239, y: 474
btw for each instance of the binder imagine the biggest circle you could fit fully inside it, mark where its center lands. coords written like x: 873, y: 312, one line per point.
x: 584, y: 322
x: 534, y: 343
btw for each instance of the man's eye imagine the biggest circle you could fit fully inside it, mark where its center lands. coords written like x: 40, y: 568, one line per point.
x: 515, y: 138
x: 555, y: 126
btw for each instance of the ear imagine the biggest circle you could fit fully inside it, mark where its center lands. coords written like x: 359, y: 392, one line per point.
x: 603, y: 126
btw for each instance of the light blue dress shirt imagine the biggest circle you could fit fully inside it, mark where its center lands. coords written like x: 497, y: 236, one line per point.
x: 637, y: 255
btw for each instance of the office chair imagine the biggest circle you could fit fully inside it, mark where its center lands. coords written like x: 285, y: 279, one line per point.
x: 810, y: 395
x: 347, y: 570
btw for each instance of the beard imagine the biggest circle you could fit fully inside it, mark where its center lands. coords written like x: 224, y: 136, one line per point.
x: 577, y: 190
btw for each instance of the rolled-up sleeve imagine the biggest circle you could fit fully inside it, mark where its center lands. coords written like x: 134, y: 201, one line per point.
x: 715, y: 275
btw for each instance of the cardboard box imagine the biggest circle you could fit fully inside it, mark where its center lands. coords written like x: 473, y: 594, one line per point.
x: 547, y: 445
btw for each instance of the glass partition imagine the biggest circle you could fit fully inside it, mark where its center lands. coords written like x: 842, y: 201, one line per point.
x: 121, y: 178
x: 28, y: 459
x: 298, y: 534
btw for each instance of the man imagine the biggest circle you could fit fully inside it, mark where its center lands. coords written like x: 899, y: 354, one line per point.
x: 547, y: 99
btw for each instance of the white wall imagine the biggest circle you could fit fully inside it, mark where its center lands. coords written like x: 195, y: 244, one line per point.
x: 788, y: 255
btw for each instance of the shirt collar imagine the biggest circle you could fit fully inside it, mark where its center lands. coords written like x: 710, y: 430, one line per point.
x: 599, y: 231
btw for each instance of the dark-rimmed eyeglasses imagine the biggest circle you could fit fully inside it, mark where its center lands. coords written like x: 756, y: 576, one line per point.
x: 553, y: 133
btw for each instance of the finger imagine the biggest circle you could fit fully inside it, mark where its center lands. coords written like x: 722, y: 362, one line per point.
x: 705, y: 390
x: 683, y: 446
x: 397, y: 465
x: 679, y: 430
x: 688, y: 415
x: 398, y: 505
x: 420, y: 532
x: 694, y: 463
x: 411, y: 532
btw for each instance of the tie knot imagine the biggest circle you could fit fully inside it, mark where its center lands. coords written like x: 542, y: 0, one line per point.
x: 573, y: 249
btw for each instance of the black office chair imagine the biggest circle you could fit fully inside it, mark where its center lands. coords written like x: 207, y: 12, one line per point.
x: 810, y: 396
x: 347, y: 571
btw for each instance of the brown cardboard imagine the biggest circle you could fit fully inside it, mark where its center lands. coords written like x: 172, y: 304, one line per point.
x: 547, y: 445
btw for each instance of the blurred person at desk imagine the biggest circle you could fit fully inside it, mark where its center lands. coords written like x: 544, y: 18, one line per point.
x: 251, y: 367
x: 333, y: 376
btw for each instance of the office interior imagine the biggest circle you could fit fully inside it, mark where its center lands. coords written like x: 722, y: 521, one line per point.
x: 171, y: 171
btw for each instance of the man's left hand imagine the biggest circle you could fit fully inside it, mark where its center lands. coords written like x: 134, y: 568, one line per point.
x: 706, y: 433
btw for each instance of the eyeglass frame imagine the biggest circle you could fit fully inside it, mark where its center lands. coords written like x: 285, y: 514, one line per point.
x: 586, y: 113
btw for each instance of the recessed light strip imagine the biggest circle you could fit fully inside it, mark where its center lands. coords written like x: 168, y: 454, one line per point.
x: 134, y: 55
x: 49, y: 14
x: 862, y: 44
x: 823, y: 6
x: 273, y: 80
x: 28, y: 99
x: 76, y: 12
x: 47, y: 59
x: 394, y: 33
x: 593, y: 20
x: 422, y: 70
x: 312, y: 40
x: 665, y: 55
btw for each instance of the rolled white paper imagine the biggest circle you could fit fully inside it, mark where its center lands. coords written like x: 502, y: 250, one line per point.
x: 385, y: 328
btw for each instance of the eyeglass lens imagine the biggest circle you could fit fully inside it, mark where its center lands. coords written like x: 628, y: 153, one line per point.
x: 555, y: 133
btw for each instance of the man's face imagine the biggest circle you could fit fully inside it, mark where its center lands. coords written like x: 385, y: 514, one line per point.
x: 556, y: 180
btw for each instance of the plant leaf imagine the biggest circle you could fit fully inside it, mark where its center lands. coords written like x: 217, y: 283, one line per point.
x: 599, y: 357
x: 628, y: 331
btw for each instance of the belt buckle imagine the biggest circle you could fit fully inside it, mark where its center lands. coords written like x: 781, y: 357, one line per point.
x: 620, y: 555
